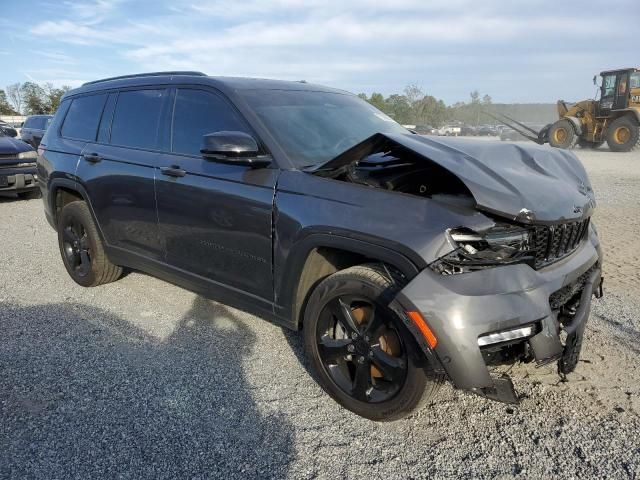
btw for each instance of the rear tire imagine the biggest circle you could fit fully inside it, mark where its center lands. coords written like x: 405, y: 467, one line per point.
x: 562, y: 134
x: 623, y: 135
x: 82, y: 249
x: 381, y: 373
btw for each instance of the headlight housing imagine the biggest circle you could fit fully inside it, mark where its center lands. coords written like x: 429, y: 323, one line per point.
x: 30, y: 154
x: 503, y: 244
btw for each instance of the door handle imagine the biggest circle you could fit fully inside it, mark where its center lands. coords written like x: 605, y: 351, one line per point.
x: 92, y: 157
x: 173, y: 171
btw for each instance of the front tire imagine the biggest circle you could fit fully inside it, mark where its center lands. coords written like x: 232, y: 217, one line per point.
x: 623, y: 135
x: 562, y: 135
x: 363, y: 355
x: 82, y: 249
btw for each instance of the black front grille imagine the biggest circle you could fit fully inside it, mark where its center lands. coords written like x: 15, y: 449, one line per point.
x: 554, y: 242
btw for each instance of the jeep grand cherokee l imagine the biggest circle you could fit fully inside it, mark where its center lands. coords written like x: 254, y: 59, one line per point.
x: 404, y: 259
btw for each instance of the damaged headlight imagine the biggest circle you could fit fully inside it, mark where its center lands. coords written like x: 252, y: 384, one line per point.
x: 501, y: 245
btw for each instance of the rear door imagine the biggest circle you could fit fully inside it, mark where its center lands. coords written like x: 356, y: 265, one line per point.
x: 118, y: 169
x: 215, y: 219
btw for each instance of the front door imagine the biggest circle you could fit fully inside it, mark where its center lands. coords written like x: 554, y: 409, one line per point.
x: 214, y: 219
x: 607, y: 93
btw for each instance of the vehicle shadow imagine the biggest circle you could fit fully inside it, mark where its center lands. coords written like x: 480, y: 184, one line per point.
x: 7, y: 197
x: 85, y: 394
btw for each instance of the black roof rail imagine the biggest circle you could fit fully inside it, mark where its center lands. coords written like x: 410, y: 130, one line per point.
x: 149, y: 74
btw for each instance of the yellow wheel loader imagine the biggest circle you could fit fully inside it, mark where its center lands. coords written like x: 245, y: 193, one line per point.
x: 614, y: 118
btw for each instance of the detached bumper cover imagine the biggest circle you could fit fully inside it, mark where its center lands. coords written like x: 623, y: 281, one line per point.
x: 460, y: 308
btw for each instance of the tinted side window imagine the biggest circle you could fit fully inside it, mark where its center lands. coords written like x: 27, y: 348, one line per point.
x: 197, y: 113
x: 137, y: 117
x: 28, y: 122
x: 83, y: 116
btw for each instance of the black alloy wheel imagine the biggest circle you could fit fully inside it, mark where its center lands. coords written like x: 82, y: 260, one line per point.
x: 360, y: 349
x: 76, y: 247
x: 361, y: 352
x: 81, y: 247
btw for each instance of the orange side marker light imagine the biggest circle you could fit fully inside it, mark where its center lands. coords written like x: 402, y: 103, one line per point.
x: 420, y: 322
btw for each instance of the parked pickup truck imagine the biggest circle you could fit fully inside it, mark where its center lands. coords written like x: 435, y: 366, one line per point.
x: 449, y: 131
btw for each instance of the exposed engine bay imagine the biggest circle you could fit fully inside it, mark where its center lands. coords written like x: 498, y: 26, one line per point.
x: 394, y: 167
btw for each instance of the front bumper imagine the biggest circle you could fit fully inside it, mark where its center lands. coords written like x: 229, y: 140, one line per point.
x: 461, y: 308
x: 18, y: 181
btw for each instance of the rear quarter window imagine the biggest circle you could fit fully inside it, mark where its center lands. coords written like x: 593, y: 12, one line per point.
x: 83, y: 117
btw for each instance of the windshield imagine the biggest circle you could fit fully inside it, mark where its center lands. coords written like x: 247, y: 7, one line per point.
x: 314, y: 127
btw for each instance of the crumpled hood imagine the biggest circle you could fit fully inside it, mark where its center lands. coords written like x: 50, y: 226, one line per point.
x: 525, y: 182
x: 9, y: 146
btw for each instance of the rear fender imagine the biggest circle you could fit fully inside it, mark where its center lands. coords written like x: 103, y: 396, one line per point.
x: 75, y: 186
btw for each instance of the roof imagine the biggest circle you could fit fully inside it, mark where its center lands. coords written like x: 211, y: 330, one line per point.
x: 224, y: 84
x: 619, y: 70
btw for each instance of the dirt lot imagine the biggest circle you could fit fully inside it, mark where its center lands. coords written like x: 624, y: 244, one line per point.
x: 141, y: 378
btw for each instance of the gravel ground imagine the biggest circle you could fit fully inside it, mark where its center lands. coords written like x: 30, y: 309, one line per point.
x: 140, y: 378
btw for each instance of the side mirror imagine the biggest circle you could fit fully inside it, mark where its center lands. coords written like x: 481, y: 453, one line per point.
x: 236, y: 148
x: 595, y: 77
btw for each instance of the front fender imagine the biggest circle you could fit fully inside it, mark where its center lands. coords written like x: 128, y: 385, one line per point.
x: 577, y: 124
x: 288, y: 274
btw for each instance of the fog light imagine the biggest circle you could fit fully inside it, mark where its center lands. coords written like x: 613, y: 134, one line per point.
x: 506, y: 336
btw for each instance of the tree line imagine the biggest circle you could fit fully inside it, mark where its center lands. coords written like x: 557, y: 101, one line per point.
x: 415, y: 107
x: 412, y: 107
x: 31, y: 98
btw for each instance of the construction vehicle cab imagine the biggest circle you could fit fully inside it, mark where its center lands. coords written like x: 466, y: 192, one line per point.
x: 616, y: 90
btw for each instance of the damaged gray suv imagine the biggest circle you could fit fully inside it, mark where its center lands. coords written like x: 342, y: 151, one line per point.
x: 405, y: 260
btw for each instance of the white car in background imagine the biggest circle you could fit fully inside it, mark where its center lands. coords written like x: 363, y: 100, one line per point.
x: 449, y: 131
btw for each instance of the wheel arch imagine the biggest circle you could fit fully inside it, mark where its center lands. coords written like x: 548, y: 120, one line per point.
x: 65, y: 190
x: 320, y: 255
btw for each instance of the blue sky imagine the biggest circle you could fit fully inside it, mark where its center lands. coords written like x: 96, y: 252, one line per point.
x: 516, y: 51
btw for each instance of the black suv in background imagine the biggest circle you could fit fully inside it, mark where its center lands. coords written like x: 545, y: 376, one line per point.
x: 17, y: 167
x: 404, y: 259
x: 34, y: 128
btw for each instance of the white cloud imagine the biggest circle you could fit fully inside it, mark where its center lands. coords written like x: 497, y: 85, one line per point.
x: 359, y: 44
